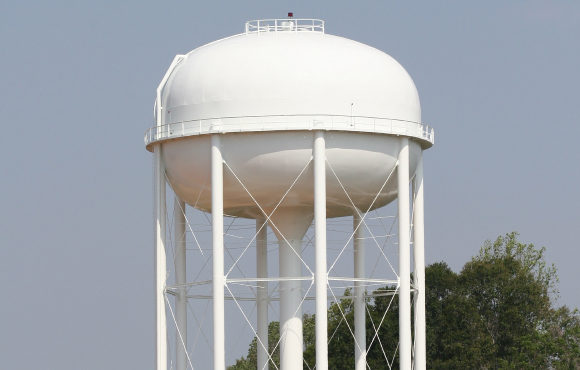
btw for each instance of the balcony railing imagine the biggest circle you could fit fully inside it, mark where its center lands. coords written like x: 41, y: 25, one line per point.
x: 387, y: 126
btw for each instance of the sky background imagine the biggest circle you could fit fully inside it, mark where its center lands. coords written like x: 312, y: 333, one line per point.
x: 498, y: 81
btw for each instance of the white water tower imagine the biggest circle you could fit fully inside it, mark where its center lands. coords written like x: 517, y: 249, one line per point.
x: 287, y: 125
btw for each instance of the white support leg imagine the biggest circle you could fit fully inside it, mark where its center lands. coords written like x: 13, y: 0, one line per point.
x: 180, y: 281
x: 359, y: 291
x: 262, y: 294
x: 420, y: 361
x: 160, y: 262
x: 404, y: 257
x: 217, y: 212
x: 321, y: 275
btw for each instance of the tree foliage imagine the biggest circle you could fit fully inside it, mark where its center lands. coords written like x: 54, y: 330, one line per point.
x: 498, y: 312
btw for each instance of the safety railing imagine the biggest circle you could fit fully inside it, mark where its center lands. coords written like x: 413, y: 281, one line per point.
x: 285, y: 25
x: 290, y: 123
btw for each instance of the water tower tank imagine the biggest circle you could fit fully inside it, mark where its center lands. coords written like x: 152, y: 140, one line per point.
x: 239, y: 123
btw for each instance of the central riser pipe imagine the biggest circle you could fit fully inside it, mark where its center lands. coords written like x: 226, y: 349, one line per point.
x: 290, y: 309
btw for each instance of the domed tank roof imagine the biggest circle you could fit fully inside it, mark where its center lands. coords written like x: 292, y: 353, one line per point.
x: 284, y: 70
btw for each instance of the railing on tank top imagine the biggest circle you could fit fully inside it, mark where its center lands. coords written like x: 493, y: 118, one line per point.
x: 290, y: 123
x: 285, y: 25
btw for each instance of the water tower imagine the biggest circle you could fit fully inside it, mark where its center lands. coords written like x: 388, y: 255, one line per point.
x: 289, y: 125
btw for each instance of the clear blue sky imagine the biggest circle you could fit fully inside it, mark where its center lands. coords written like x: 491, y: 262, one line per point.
x: 498, y: 81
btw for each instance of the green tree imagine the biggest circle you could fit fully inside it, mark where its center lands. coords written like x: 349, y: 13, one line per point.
x: 562, y: 333
x: 341, y: 342
x: 456, y: 335
x: 510, y: 284
x: 498, y: 312
x: 251, y: 359
x: 383, y: 315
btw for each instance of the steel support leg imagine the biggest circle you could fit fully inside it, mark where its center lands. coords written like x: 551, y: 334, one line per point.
x: 160, y: 262
x: 180, y: 281
x: 404, y: 257
x: 359, y: 291
x: 321, y: 275
x: 419, y: 268
x: 262, y: 294
x: 217, y: 213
